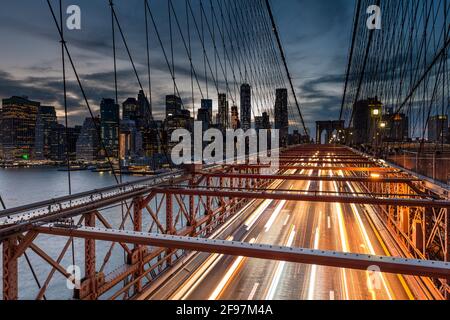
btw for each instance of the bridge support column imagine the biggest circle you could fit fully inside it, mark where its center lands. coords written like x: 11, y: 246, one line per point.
x: 208, y: 199
x: 89, y: 284
x: 447, y: 247
x: 447, y: 235
x: 139, y: 252
x: 10, y: 269
x: 222, y: 200
x: 192, y: 221
x: 169, y: 223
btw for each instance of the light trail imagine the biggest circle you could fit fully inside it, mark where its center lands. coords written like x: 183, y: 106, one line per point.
x: 370, y: 247
x: 228, y: 276
x: 344, y: 240
x: 313, y: 274
x: 276, y: 279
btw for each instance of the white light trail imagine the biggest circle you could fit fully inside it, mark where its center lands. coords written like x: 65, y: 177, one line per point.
x: 276, y: 279
x: 313, y: 274
x: 222, y: 284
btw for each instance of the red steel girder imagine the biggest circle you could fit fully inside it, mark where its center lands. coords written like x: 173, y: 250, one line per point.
x: 425, y: 268
x: 295, y: 196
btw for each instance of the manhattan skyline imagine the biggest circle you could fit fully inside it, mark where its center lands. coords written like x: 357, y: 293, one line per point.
x: 31, y: 64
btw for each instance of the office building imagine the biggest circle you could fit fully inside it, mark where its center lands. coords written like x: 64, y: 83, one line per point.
x: 235, y: 122
x: 262, y: 122
x: 110, y: 118
x: 223, y: 115
x: 18, y: 127
x: 130, y: 140
x: 130, y: 110
x: 88, y: 143
x: 145, y: 109
x: 394, y: 127
x: 45, y: 124
x: 246, y: 107
x: 204, y: 116
x: 208, y: 105
x: 438, y: 129
x: 174, y: 106
x: 153, y: 139
x: 367, y: 118
x: 282, y: 116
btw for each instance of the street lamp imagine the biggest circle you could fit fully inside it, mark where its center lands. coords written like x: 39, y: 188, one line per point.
x: 375, y: 112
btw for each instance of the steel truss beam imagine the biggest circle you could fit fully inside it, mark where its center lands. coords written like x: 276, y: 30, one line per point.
x: 295, y: 196
x: 434, y: 269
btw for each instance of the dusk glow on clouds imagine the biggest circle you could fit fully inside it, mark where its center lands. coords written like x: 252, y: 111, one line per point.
x: 315, y: 35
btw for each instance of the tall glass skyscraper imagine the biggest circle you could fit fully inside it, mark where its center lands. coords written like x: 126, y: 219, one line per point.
x: 18, y: 127
x: 110, y: 117
x: 45, y: 125
x: 281, y: 115
x: 246, y: 107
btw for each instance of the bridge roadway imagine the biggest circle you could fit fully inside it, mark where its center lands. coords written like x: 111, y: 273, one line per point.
x: 325, y: 226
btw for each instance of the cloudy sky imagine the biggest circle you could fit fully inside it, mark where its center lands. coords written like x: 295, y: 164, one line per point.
x: 315, y: 35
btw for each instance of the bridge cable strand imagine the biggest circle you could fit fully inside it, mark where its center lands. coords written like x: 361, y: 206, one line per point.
x: 66, y: 118
x: 130, y: 57
x: 83, y: 92
x: 283, y: 57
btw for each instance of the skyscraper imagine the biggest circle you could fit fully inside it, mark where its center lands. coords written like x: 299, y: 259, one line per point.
x: 262, y: 122
x: 45, y: 124
x: 88, y: 144
x: 281, y: 115
x: 58, y: 143
x: 18, y: 127
x: 208, y: 105
x: 223, y: 116
x: 367, y: 116
x: 110, y: 118
x: 203, y: 115
x: 130, y: 140
x: 130, y: 110
x: 235, y: 122
x: 173, y: 106
x: 246, y: 107
x: 145, y: 109
x: 438, y: 128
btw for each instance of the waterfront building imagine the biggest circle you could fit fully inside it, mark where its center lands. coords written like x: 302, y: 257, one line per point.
x: 18, y: 127
x: 110, y: 117
x: 88, y: 143
x: 45, y: 124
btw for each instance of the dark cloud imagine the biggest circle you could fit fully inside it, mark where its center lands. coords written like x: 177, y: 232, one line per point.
x: 315, y: 35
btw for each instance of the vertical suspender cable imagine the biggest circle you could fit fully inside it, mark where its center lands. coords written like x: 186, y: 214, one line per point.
x: 148, y: 56
x: 63, y: 58
x: 283, y: 57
